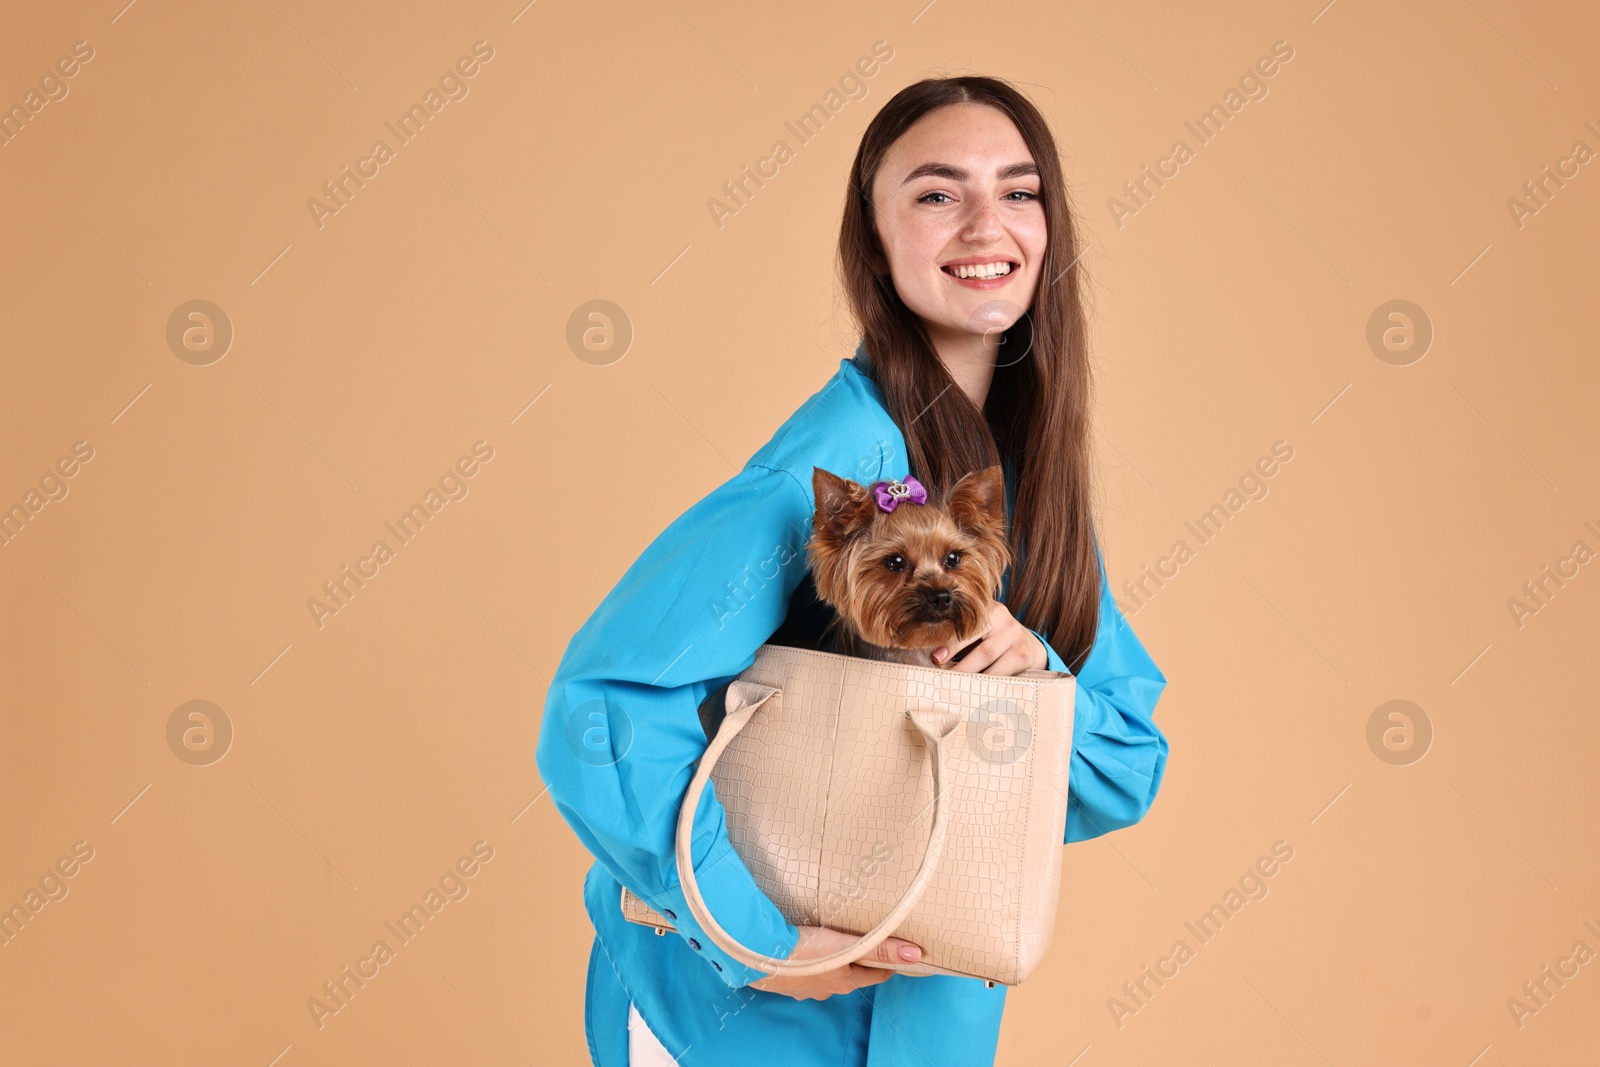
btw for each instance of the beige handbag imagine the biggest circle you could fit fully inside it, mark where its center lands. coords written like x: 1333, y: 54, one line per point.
x: 882, y: 798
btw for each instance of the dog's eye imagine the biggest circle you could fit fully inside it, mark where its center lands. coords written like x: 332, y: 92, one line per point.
x: 895, y: 562
x: 952, y: 558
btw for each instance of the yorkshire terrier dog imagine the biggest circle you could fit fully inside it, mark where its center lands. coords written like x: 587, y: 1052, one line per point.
x: 904, y: 574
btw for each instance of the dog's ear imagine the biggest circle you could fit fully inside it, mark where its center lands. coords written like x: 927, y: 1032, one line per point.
x: 977, y: 502
x: 844, y: 512
x: 844, y: 508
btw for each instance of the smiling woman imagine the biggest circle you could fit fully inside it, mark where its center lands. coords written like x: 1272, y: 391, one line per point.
x: 964, y: 171
x: 958, y: 254
x: 972, y: 209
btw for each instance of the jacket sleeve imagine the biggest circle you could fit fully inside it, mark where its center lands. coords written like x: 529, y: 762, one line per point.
x: 621, y: 728
x: 1119, y: 755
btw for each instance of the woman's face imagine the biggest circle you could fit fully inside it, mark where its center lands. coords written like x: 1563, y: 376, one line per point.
x: 959, y: 188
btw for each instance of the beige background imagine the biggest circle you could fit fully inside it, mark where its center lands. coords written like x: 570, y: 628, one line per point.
x: 431, y: 312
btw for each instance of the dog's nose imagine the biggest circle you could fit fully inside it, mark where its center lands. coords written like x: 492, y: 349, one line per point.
x: 938, y: 598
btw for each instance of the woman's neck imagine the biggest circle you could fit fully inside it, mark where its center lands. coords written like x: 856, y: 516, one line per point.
x: 969, y: 359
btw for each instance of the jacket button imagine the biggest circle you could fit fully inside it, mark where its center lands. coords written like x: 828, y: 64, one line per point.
x: 694, y: 944
x: 717, y: 965
x: 669, y: 913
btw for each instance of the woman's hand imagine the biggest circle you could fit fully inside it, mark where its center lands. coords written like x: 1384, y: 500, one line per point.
x: 819, y: 941
x: 1007, y: 647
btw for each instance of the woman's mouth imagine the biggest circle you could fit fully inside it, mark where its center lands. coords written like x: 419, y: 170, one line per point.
x: 981, y: 275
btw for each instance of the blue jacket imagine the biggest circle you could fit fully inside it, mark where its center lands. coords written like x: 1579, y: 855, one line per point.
x: 622, y: 730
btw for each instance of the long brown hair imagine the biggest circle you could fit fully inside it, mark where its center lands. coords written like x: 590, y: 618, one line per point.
x: 1038, y: 406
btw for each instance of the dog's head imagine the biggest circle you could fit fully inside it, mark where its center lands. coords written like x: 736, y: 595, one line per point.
x: 905, y: 574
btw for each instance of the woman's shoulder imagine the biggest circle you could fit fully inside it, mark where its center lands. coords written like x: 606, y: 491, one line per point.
x: 844, y: 428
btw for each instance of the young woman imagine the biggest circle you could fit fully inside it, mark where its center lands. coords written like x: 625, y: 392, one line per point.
x: 953, y: 374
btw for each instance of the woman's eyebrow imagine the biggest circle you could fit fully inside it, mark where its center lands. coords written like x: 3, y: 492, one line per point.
x: 957, y: 174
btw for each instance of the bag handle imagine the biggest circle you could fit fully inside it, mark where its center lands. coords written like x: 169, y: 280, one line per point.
x: 744, y: 699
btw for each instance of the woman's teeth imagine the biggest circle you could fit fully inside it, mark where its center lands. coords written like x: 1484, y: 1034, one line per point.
x: 985, y: 270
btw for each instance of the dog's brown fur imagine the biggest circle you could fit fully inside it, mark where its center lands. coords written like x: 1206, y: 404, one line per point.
x: 898, y: 615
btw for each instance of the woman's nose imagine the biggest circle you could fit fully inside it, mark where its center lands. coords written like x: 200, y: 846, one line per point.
x: 982, y: 222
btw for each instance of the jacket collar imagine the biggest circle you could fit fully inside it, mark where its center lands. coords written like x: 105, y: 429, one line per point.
x: 861, y: 360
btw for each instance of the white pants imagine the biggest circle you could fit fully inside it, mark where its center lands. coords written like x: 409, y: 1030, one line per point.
x: 644, y: 1050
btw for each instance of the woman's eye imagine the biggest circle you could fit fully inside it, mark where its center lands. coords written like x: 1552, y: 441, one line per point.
x: 952, y: 558
x: 1025, y: 192
x: 923, y: 199
x: 896, y: 562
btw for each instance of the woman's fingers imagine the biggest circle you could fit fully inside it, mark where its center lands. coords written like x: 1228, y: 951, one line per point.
x: 897, y: 950
x: 892, y: 950
x: 1005, y: 648
x: 1000, y: 656
x: 861, y: 976
x: 817, y: 941
x: 987, y: 647
x: 985, y: 653
x: 980, y: 655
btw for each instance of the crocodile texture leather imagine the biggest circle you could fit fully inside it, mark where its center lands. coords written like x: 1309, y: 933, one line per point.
x: 826, y: 774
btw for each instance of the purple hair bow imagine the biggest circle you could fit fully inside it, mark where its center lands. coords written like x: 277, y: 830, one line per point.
x: 892, y: 494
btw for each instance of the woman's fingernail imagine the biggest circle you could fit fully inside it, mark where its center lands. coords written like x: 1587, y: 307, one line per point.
x: 910, y: 953
x: 939, y: 654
